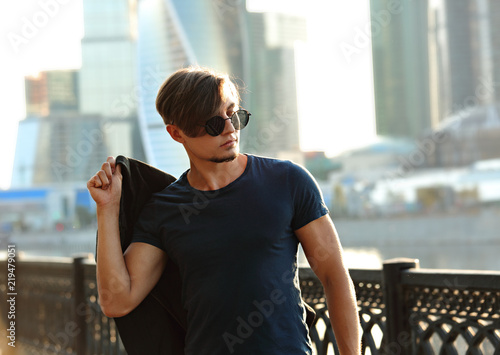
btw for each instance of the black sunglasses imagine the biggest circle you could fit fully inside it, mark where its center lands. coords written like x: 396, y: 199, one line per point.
x: 215, y: 125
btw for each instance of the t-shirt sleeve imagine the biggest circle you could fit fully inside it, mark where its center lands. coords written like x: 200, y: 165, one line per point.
x: 307, y: 198
x: 145, y: 228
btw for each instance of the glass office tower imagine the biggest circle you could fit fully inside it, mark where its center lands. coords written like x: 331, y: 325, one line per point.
x: 172, y: 35
x: 108, y: 77
x: 257, y: 49
x: 401, y: 69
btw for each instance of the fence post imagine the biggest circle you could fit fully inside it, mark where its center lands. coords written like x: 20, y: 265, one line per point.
x: 79, y: 304
x: 397, y: 319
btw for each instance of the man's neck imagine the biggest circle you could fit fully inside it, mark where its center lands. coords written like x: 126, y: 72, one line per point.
x: 210, y: 176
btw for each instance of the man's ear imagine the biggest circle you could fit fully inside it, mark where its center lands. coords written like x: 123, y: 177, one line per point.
x: 175, y: 133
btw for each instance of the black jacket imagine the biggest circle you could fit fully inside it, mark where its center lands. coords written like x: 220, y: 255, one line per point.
x: 158, y: 324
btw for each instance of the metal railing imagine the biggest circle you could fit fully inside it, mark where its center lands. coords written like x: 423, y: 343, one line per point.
x: 407, y: 310
x: 403, y: 310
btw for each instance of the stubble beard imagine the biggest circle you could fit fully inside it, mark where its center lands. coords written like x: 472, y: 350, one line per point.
x: 227, y: 159
x: 232, y: 152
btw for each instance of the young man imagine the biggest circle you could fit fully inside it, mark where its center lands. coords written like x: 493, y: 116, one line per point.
x: 232, y: 224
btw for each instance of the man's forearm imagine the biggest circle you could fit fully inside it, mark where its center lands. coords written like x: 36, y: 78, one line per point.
x: 343, y: 312
x: 113, y: 279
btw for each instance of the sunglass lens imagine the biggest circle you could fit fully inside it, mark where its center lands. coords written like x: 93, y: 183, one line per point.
x: 235, y: 120
x: 240, y: 119
x: 215, y: 126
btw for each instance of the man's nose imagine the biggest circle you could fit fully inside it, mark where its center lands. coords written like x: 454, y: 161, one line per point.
x: 228, y: 127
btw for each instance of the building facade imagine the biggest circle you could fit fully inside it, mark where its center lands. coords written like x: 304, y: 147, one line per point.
x: 400, y: 69
x: 58, y: 149
x: 494, y: 13
x: 75, y: 119
x: 256, y: 49
x: 108, y: 76
x: 273, y: 97
x: 52, y: 91
x: 464, y: 73
x: 465, y: 56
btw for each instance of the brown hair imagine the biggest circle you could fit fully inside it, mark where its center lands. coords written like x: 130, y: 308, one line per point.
x: 191, y: 95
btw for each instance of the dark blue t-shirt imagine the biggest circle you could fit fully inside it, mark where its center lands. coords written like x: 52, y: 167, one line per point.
x: 237, y: 255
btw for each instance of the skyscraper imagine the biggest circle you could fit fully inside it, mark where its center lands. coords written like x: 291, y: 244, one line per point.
x: 465, y: 60
x: 460, y: 58
x: 400, y: 70
x: 273, y: 98
x: 108, y: 56
x: 76, y: 119
x: 52, y: 91
x: 257, y: 49
x: 172, y: 35
x: 56, y: 149
x: 494, y: 13
x: 464, y: 73
x: 108, y: 76
x: 55, y: 143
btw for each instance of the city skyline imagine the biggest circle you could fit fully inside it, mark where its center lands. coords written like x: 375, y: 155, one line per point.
x: 443, y: 177
x: 333, y: 137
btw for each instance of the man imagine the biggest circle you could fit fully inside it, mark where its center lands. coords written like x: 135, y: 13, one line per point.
x: 232, y: 224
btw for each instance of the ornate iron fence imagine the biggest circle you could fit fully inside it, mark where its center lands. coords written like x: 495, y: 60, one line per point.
x: 403, y: 310
x: 369, y: 294
x: 456, y: 312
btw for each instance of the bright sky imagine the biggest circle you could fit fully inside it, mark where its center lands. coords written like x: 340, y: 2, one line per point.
x: 335, y: 89
x: 35, y: 36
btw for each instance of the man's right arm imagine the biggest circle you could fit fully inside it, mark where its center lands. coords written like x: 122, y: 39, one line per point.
x: 123, y: 280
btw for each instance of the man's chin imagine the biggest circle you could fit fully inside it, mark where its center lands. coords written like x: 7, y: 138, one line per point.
x: 225, y: 159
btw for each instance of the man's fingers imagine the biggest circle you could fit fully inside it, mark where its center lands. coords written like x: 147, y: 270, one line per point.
x: 91, y: 183
x: 94, y: 181
x: 106, y: 168
x: 102, y: 179
x: 98, y: 181
x: 102, y: 176
x: 112, y: 163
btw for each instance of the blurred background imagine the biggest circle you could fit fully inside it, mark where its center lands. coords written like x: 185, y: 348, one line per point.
x: 392, y: 105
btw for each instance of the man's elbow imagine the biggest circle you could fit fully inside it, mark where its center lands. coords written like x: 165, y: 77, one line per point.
x: 114, y: 313
x: 115, y: 309
x: 340, y: 281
